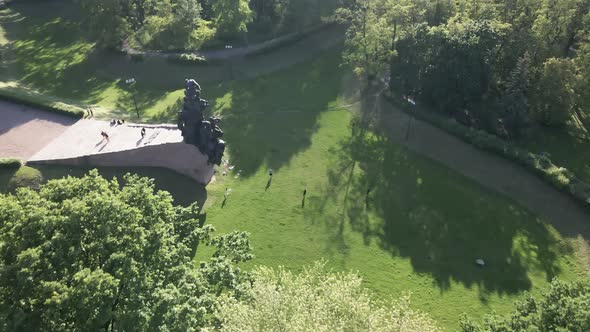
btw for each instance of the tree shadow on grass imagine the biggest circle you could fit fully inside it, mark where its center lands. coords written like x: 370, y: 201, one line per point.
x: 50, y: 55
x: 437, y: 219
x: 184, y: 190
x: 270, y: 119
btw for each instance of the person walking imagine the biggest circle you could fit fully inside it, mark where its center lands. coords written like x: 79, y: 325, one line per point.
x: 104, y: 135
x: 142, y: 132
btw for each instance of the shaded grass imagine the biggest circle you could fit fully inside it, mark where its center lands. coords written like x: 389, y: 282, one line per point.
x: 421, y: 231
x: 49, y: 50
x: 184, y: 189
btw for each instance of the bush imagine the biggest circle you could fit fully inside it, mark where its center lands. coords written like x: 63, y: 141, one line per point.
x: 559, y: 177
x: 25, y: 177
x: 187, y: 59
x: 32, y: 99
x: 10, y: 163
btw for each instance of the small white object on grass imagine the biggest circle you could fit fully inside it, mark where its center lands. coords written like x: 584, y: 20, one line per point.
x: 480, y: 262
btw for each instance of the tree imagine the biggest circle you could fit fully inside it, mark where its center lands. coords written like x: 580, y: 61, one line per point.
x: 84, y: 254
x: 368, y: 47
x: 514, y: 101
x: 232, y: 16
x: 314, y: 300
x: 553, y: 96
x: 105, y: 21
x: 564, y: 307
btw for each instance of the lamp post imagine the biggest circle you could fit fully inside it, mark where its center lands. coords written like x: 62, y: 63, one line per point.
x: 130, y: 82
x: 230, y: 62
x: 410, y: 116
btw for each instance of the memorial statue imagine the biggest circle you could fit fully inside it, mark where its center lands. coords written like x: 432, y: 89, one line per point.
x: 205, y: 135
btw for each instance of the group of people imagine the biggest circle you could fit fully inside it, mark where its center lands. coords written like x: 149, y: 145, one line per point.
x: 105, y: 135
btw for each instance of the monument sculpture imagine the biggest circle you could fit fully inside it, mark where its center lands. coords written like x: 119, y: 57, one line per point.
x: 204, y: 134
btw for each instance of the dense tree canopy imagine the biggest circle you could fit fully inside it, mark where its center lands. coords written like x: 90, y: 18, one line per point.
x: 316, y: 301
x: 187, y: 24
x: 88, y: 254
x: 491, y: 64
x: 564, y: 307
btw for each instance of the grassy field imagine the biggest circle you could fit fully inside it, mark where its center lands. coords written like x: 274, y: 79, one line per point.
x: 44, y: 47
x: 419, y: 229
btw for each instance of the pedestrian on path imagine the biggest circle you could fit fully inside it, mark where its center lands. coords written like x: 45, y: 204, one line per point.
x: 142, y: 132
x: 104, y: 135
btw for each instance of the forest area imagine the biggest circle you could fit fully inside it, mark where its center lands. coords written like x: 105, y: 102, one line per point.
x: 496, y: 65
x: 190, y: 24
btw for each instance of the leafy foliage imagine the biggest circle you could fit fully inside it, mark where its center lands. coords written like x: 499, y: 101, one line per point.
x: 553, y: 95
x: 564, y: 307
x: 86, y: 254
x: 316, y: 301
x: 10, y: 163
x: 491, y: 64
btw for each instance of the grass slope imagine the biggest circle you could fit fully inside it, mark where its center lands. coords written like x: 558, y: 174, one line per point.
x: 420, y: 230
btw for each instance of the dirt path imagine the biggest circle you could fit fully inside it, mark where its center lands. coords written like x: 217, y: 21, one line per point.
x: 25, y: 131
x: 490, y: 171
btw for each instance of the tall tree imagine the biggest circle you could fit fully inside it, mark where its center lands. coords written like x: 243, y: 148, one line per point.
x: 232, y: 16
x: 368, y: 37
x: 106, y: 21
x: 86, y: 254
x: 564, y: 307
x: 514, y: 101
x: 553, y: 96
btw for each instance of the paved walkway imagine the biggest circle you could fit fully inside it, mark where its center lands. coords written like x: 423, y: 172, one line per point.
x: 489, y: 170
x: 322, y: 31
x: 24, y: 130
x: 84, y: 139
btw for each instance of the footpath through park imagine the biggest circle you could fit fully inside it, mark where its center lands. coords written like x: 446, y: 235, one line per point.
x: 490, y: 171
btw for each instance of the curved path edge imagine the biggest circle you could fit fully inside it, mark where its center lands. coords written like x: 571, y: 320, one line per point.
x: 490, y: 171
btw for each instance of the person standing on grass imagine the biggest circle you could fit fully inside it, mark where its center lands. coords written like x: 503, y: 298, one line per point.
x: 270, y: 172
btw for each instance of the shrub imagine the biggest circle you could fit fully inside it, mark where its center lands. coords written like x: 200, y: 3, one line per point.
x: 187, y: 59
x: 10, y: 163
x: 25, y: 177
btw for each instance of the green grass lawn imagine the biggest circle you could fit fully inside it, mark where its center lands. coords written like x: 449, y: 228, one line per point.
x: 419, y: 231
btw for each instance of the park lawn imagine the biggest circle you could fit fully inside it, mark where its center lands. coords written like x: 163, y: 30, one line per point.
x: 421, y: 232
x: 421, y: 229
x: 45, y: 48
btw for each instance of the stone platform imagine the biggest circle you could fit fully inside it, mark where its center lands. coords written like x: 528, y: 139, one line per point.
x: 82, y: 145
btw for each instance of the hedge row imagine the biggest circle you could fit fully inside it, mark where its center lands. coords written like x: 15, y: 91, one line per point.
x: 541, y: 165
x: 10, y: 163
x: 28, y: 98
